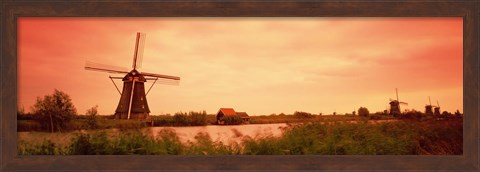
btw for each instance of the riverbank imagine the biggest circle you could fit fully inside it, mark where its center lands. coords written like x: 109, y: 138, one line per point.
x: 404, y: 137
x: 80, y: 123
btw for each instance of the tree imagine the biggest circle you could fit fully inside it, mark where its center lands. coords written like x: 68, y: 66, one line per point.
x: 363, y: 111
x: 458, y: 114
x: 54, y: 111
x: 92, y: 113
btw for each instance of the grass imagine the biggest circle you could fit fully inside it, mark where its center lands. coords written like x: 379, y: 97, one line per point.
x: 81, y: 124
x: 271, y: 119
x: 402, y: 137
x: 186, y: 119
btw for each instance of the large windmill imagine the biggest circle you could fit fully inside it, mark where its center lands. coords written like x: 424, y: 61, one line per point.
x: 395, y: 105
x: 133, y: 101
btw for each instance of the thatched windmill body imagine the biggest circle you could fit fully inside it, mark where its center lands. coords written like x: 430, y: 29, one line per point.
x: 395, y: 106
x: 133, y: 102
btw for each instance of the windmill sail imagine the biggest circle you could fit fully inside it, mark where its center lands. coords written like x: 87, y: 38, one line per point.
x: 139, y: 48
x: 105, y: 68
x: 161, y: 76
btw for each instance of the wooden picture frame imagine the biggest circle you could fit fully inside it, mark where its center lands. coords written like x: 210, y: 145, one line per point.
x: 11, y: 10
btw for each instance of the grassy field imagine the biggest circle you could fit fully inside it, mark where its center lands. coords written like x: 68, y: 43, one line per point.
x: 328, y: 137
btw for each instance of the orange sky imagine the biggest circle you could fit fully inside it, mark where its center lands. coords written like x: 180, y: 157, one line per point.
x: 257, y: 65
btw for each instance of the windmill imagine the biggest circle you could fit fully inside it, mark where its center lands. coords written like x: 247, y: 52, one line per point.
x: 395, y: 105
x: 428, y: 108
x: 437, y: 109
x: 133, y: 102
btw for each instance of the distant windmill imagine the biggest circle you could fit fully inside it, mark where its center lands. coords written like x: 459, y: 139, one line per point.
x: 437, y: 109
x: 133, y: 101
x: 395, y: 105
x: 428, y: 108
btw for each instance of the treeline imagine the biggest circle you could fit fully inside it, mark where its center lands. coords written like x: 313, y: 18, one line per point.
x: 184, y: 119
x: 332, y: 138
x: 56, y: 113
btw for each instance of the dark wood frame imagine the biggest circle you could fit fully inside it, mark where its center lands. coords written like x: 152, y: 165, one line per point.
x: 11, y: 10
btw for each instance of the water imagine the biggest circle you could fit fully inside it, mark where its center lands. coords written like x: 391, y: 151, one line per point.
x: 225, y: 133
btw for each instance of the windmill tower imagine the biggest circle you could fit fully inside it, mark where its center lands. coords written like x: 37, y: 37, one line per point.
x: 133, y: 102
x: 395, y: 106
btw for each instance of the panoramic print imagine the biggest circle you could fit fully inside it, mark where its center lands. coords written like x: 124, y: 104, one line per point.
x: 240, y: 86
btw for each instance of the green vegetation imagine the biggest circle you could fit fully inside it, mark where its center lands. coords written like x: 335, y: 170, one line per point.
x: 84, y: 123
x: 184, y: 119
x: 404, y: 137
x: 54, y: 111
x: 363, y: 111
x: 409, y: 133
x: 92, y: 121
x: 299, y: 114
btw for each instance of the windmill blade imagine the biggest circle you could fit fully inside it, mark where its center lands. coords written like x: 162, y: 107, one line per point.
x: 139, y: 47
x: 161, y: 76
x: 396, y: 90
x: 163, y: 81
x: 403, y: 103
x: 105, y: 68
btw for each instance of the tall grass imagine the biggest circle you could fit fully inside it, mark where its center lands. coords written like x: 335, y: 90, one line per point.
x: 326, y: 138
x: 82, y: 124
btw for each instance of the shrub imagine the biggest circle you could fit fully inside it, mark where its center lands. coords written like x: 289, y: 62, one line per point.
x: 198, y: 118
x: 416, y: 115
x: 92, y: 117
x: 363, y: 111
x: 300, y: 114
x: 46, y: 147
x: 181, y: 119
x: 28, y: 125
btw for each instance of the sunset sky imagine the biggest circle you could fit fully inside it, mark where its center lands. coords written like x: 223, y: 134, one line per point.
x: 257, y: 65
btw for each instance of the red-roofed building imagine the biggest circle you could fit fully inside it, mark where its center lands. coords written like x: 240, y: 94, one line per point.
x: 230, y: 112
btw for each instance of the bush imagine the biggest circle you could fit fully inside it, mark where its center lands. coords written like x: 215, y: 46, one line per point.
x: 181, y: 119
x: 92, y: 118
x: 184, y: 119
x: 54, y: 111
x: 28, y: 125
x: 415, y: 115
x: 300, y: 114
x: 47, y: 147
x: 363, y: 111
x: 198, y: 118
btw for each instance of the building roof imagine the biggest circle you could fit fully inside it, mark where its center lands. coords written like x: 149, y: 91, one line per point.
x: 227, y: 111
x: 243, y: 114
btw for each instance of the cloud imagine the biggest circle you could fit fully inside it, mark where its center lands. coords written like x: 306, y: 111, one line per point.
x: 263, y: 65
